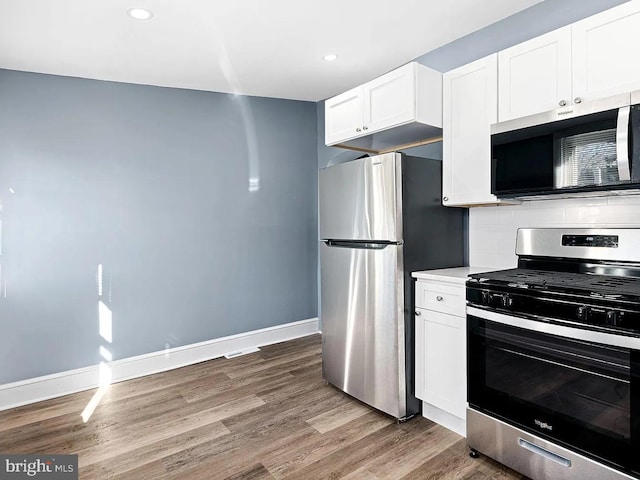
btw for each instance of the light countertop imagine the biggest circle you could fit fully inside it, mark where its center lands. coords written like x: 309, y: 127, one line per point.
x: 456, y: 274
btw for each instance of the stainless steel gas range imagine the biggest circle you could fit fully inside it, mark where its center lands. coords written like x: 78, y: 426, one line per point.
x: 554, y: 356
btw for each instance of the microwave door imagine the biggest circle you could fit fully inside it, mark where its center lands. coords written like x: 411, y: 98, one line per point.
x: 591, y: 147
x: 595, y: 154
x: 622, y: 144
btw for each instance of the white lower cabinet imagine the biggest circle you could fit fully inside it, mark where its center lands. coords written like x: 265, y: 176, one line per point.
x: 440, y: 327
x: 442, y: 371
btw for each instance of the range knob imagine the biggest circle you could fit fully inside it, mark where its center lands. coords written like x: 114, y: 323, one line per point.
x: 507, y: 301
x: 485, y: 297
x: 612, y: 318
x: 498, y: 300
x: 582, y: 313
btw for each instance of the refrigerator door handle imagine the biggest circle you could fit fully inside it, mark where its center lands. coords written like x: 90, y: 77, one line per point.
x: 359, y: 244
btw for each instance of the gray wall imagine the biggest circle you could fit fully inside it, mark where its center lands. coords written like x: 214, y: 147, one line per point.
x: 541, y: 18
x: 200, y: 207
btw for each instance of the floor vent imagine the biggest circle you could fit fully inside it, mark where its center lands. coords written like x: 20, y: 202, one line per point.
x: 239, y: 353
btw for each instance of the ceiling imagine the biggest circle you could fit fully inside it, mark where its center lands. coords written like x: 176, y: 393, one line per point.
x: 252, y: 47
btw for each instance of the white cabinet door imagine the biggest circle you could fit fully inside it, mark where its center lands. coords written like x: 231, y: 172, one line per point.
x: 397, y: 108
x: 420, y: 320
x: 470, y: 106
x: 441, y: 361
x: 535, y: 76
x: 344, y: 116
x: 390, y: 100
x: 606, y: 49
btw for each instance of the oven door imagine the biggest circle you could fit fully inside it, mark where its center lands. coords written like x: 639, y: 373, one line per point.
x: 575, y: 387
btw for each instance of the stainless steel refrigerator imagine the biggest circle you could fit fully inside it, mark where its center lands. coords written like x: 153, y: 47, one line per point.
x: 380, y: 219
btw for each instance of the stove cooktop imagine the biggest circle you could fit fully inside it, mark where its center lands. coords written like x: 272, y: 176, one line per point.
x: 585, y: 277
x: 597, y: 301
x: 563, y: 282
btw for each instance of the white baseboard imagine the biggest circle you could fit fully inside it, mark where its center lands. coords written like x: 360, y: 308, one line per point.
x: 50, y: 386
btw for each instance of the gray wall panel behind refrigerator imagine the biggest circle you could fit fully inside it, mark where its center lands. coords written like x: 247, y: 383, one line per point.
x: 433, y: 238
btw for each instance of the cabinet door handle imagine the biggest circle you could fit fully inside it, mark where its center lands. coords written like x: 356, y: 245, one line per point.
x: 358, y: 129
x: 577, y: 100
x: 418, y: 313
x: 445, y: 199
x: 365, y: 128
x: 562, y: 103
x: 439, y: 298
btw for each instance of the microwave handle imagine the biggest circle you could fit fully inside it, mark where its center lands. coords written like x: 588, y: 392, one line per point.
x: 622, y: 143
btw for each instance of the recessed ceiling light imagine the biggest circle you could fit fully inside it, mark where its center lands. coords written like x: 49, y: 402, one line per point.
x: 140, y: 13
x: 330, y: 57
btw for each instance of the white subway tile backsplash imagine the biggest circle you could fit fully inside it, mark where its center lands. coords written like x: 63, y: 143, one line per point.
x: 492, y: 230
x: 587, y: 215
x: 572, y: 216
x: 473, y: 221
x: 494, y: 261
x: 546, y: 216
x: 506, y: 216
x: 624, y: 214
x: 624, y: 200
x: 486, y: 240
x: 569, y: 202
x: 506, y: 241
x: 604, y: 214
x: 486, y: 215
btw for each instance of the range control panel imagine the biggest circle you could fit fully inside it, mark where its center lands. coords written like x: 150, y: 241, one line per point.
x: 607, y: 241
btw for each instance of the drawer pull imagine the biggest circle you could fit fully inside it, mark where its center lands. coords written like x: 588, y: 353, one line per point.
x: 543, y: 452
x: 439, y: 298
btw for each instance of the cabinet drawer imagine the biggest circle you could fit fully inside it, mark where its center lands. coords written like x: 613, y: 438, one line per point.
x: 441, y: 298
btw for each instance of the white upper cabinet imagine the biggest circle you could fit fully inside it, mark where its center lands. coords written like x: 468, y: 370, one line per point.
x: 606, y: 49
x: 400, y: 107
x: 593, y: 58
x: 535, y: 76
x: 343, y: 115
x: 590, y: 59
x: 470, y: 106
x: 389, y: 99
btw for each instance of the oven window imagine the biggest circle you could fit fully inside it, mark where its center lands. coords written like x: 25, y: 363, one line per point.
x: 580, y: 380
x: 569, y: 390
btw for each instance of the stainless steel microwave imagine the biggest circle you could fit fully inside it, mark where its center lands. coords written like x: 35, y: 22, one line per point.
x: 588, y: 148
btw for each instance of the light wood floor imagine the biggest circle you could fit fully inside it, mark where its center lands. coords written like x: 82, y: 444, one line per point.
x: 266, y: 415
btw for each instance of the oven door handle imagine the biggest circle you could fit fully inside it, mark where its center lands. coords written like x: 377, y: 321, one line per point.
x: 603, y: 338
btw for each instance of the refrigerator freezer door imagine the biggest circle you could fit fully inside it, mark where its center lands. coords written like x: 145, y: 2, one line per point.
x: 363, y: 324
x: 359, y: 201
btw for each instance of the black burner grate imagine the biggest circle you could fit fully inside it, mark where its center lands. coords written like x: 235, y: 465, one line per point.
x: 561, y: 281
